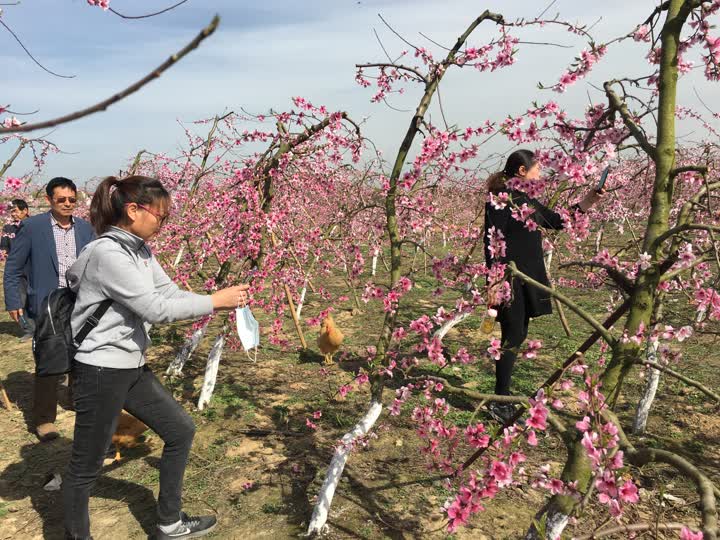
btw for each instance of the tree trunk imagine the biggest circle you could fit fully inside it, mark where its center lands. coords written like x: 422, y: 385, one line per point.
x: 651, y: 386
x: 377, y: 381
x: 334, y: 472
x: 551, y: 524
x: 577, y: 468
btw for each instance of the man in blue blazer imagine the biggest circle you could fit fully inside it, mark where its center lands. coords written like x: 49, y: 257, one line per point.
x: 45, y: 246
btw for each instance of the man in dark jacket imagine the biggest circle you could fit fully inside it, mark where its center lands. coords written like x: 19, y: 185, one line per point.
x: 44, y: 247
x: 18, y: 212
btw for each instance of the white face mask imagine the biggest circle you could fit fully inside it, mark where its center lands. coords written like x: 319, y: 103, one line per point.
x: 248, y: 330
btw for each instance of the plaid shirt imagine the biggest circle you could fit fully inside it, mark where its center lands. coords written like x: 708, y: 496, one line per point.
x: 64, y: 247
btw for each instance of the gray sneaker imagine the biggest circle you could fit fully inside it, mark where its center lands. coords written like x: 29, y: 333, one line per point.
x: 189, y: 527
x: 502, y: 412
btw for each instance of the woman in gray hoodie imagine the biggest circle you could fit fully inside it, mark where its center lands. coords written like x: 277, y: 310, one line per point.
x: 109, y: 372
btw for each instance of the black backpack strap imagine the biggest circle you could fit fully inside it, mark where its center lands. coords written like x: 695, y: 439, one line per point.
x: 92, y: 321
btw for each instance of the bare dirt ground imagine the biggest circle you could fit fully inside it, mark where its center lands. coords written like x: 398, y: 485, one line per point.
x: 258, y: 467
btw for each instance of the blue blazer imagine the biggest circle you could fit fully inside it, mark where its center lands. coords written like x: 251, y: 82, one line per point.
x: 33, y: 254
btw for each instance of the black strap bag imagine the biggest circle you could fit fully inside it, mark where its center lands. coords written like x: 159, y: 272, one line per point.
x: 54, y: 346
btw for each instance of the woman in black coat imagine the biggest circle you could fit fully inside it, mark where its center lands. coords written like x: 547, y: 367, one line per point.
x: 524, y: 248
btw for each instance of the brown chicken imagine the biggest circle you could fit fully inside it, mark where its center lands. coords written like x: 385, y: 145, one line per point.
x: 330, y: 339
x: 127, y: 433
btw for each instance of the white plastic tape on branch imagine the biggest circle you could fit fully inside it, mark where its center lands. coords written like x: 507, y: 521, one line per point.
x: 176, y: 366
x: 211, y: 370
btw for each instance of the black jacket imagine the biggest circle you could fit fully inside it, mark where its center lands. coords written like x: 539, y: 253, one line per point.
x: 8, y: 233
x: 524, y: 247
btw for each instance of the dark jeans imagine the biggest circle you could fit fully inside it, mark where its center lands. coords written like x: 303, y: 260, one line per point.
x: 45, y: 399
x: 514, y: 323
x: 100, y: 394
x: 45, y: 389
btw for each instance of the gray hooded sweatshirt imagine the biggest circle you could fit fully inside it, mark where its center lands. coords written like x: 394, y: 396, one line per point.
x: 124, y: 269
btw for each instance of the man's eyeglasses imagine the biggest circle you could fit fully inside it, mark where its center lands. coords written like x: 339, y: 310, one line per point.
x: 161, y: 219
x: 61, y: 200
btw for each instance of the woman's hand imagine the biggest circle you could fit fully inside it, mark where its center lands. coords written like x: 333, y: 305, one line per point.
x: 590, y: 199
x: 231, y: 297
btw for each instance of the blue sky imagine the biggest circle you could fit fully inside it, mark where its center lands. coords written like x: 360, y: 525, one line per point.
x: 266, y: 52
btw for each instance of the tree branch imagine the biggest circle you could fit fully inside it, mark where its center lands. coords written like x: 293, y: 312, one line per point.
x: 688, y: 168
x: 621, y: 107
x: 704, y: 389
x: 703, y: 485
x: 659, y: 9
x: 565, y: 300
x: 12, y: 158
x: 149, y: 14
x: 394, y: 66
x: 207, y: 31
x: 620, y: 279
x: 448, y: 388
x: 675, y: 273
x: 558, y: 373
x: 643, y: 456
x: 680, y: 228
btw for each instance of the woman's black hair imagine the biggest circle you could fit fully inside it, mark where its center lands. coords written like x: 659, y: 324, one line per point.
x: 108, y: 204
x: 519, y: 158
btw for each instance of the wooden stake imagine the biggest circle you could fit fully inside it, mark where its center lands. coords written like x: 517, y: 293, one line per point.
x: 558, y: 305
x: 290, y: 302
x: 5, y: 399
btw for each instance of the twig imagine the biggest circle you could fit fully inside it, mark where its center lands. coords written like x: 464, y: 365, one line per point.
x: 635, y: 527
x: 12, y: 158
x: 434, y: 42
x: 396, y: 33
x: 544, y: 11
x: 149, y: 14
x: 618, y: 277
x: 30, y: 54
x: 101, y: 106
x: 256, y: 432
x: 393, y: 66
x: 545, y: 43
x: 383, y: 47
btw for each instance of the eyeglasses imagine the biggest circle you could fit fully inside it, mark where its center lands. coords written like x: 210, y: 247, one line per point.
x: 161, y: 219
x: 61, y: 200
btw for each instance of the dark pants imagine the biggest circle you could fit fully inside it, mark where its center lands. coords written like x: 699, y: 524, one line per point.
x: 45, y: 389
x: 45, y: 399
x: 100, y: 394
x: 514, y: 321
